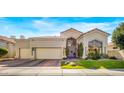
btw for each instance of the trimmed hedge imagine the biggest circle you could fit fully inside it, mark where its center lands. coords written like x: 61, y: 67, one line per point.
x: 3, y: 52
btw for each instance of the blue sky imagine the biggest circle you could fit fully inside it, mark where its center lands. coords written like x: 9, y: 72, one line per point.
x: 51, y: 26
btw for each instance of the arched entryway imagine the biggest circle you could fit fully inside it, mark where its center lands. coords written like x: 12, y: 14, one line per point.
x: 95, y: 46
x: 71, y: 48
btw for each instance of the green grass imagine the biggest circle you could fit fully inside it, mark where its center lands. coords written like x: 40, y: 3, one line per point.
x: 96, y: 64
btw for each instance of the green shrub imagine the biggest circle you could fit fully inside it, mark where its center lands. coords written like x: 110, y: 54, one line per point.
x: 93, y: 55
x: 90, y: 55
x: 67, y: 51
x: 64, y: 58
x: 103, y: 56
x: 3, y: 52
x: 80, y: 50
x: 113, y: 57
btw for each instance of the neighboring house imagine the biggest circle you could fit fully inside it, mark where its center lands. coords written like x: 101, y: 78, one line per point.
x: 112, y: 46
x: 114, y: 51
x: 55, y: 47
x: 9, y: 44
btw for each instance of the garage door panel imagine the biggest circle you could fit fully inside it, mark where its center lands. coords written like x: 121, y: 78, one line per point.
x: 49, y: 53
x: 25, y: 53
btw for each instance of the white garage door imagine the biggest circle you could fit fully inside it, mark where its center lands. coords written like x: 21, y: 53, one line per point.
x: 49, y: 53
x: 25, y: 53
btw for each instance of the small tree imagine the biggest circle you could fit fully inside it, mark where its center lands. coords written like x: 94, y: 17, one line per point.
x: 67, y: 51
x: 118, y: 36
x: 80, y: 50
x: 3, y: 52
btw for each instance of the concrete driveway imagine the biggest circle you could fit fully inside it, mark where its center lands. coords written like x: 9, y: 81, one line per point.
x: 31, y: 63
x: 13, y: 63
x: 50, y: 63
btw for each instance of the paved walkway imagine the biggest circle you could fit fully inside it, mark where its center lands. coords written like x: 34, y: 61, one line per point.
x: 53, y: 71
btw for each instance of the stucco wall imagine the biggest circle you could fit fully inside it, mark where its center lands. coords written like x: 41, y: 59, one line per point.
x: 70, y: 33
x: 46, y: 43
x: 22, y: 43
x: 11, y: 50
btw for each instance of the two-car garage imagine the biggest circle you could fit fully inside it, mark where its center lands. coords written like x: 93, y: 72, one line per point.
x: 41, y: 53
x: 40, y: 48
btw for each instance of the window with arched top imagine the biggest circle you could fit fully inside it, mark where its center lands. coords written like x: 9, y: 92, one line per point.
x: 95, y: 45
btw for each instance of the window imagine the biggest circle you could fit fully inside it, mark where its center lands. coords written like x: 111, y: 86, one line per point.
x: 3, y: 44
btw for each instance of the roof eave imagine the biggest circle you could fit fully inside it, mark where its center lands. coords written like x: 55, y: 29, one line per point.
x: 71, y: 28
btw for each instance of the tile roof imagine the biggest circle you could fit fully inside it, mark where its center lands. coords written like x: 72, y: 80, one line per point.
x: 94, y: 30
x: 7, y: 39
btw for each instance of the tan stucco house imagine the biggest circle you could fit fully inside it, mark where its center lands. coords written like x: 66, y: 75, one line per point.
x: 54, y: 47
x: 9, y: 44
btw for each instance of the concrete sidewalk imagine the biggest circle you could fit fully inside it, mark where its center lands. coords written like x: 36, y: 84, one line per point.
x: 57, y: 71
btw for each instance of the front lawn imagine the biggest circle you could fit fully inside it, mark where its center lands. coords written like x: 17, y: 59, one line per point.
x: 94, y: 64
